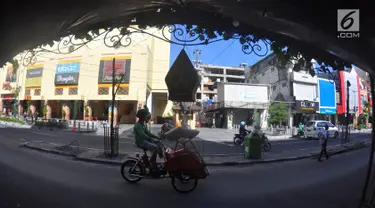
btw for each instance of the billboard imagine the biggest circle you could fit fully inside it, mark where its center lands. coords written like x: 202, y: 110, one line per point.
x: 122, y: 66
x: 10, y: 77
x: 246, y: 93
x: 327, y: 96
x: 67, y: 73
x: 34, y: 76
x: 354, y: 90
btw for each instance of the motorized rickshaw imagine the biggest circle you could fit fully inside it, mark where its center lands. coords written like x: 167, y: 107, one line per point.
x: 185, y: 166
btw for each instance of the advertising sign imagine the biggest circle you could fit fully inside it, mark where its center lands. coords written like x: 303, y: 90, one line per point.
x: 327, y: 96
x: 37, y: 72
x: 66, y: 79
x: 122, y: 66
x: 67, y: 73
x: 34, y: 76
x: 68, y: 68
x: 245, y: 93
x: 6, y: 86
x: 307, y: 106
x: 10, y: 76
x: 354, y: 89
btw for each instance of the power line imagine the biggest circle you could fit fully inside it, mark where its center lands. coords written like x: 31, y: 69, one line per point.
x: 222, y: 51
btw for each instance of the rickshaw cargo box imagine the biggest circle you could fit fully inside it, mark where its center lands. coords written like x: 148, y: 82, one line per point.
x: 186, y: 161
x: 180, y: 132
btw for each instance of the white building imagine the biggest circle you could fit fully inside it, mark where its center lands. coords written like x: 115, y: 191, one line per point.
x: 240, y: 102
x: 297, y: 89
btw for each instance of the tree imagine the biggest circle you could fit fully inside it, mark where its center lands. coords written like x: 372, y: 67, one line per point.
x: 278, y: 113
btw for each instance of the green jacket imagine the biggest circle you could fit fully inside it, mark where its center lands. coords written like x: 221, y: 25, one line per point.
x: 301, y: 126
x: 142, y: 134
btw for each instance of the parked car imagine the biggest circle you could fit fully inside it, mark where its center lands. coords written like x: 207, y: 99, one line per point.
x: 313, y: 127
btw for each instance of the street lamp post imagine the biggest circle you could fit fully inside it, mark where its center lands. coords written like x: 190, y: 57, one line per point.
x: 347, y: 110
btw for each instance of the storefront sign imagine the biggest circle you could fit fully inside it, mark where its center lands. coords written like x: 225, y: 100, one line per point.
x: 7, y: 97
x: 33, y: 82
x: 68, y: 68
x: 122, y: 67
x: 34, y: 76
x: 37, y: 72
x: 67, y: 73
x: 66, y: 79
x: 308, y: 106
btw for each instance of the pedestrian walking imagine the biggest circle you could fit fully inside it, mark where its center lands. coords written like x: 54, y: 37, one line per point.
x: 324, y: 141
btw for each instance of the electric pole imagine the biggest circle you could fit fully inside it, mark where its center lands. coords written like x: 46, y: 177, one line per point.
x: 113, y: 108
x: 347, y: 110
x: 197, y: 52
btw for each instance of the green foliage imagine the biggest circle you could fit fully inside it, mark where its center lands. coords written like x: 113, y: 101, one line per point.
x: 278, y: 113
x: 11, y: 119
x: 45, y: 110
x: 86, y: 111
x: 63, y: 113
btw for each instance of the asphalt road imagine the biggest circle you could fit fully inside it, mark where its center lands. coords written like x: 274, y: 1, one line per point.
x: 127, y: 144
x: 34, y: 179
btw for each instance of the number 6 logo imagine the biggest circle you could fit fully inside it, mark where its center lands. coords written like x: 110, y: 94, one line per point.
x: 346, y: 19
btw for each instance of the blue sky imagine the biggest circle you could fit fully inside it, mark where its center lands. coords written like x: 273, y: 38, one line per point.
x: 224, y: 53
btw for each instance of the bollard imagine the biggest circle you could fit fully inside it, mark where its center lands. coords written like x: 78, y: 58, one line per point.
x: 87, y: 126
x: 79, y: 127
x: 92, y: 124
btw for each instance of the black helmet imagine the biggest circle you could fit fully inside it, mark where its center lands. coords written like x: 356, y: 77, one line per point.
x: 143, y: 113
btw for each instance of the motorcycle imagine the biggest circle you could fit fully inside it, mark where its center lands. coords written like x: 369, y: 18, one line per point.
x: 239, y: 139
x: 300, y: 134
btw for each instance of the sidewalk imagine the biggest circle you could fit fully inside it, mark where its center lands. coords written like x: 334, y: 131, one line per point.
x: 96, y: 156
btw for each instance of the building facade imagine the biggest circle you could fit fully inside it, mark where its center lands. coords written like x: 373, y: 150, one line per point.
x: 296, y: 89
x: 79, y: 85
x: 240, y: 102
x: 207, y: 93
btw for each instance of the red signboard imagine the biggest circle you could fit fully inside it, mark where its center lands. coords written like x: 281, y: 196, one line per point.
x: 7, y: 96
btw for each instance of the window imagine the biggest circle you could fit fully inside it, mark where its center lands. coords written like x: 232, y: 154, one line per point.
x: 310, y: 124
x: 283, y: 84
x: 274, y: 88
x: 27, y: 93
x: 321, y: 124
x: 37, y: 92
x: 338, y: 98
x: 59, y: 91
x: 103, y: 91
x: 123, y: 91
x: 73, y: 91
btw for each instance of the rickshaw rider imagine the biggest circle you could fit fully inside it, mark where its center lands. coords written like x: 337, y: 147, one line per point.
x: 145, y: 139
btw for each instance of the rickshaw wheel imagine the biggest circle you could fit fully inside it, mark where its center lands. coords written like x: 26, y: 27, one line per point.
x: 184, y: 178
x: 125, y: 171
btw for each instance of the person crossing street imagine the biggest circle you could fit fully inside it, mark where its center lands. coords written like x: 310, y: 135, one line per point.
x: 324, y: 142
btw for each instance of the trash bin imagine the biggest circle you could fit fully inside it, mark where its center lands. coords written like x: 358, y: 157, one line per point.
x: 253, y: 146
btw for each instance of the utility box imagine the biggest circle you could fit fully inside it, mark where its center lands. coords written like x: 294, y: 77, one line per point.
x: 253, y: 146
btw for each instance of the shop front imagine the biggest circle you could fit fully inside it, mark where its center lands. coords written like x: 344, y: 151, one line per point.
x: 304, y: 111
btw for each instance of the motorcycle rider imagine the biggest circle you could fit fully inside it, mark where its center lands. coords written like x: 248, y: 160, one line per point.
x: 145, y: 139
x: 301, y: 126
x: 243, y: 130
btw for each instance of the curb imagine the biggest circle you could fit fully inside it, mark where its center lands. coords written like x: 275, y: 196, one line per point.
x: 56, y: 152
x: 360, y: 145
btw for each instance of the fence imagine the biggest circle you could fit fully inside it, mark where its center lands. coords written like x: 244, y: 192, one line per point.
x: 108, y: 146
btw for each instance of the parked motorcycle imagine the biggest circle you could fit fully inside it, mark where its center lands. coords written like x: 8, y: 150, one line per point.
x: 239, y: 139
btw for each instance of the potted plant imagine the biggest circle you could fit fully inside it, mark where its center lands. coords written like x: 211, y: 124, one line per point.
x: 63, y: 114
x: 87, y: 113
x: 45, y: 111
